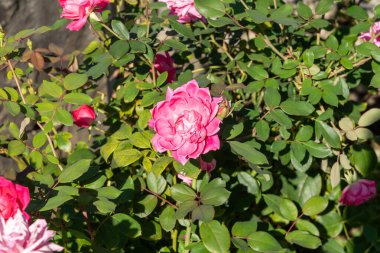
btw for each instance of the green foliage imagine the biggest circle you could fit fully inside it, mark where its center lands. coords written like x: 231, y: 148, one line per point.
x: 299, y: 124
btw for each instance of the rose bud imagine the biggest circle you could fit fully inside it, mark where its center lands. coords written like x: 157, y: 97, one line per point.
x: 83, y: 116
x: 164, y: 63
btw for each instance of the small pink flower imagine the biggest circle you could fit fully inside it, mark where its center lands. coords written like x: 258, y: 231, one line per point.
x: 164, y: 63
x: 373, y: 31
x: 184, y: 9
x: 79, y: 10
x: 16, y: 236
x: 207, y: 166
x: 83, y: 116
x: 186, y: 122
x: 185, y: 179
x: 358, y: 192
x: 13, y: 197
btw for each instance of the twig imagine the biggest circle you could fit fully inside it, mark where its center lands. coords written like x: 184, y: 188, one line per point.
x: 160, y: 197
x: 24, y: 102
x: 269, y: 44
x: 293, y: 224
x: 342, y: 69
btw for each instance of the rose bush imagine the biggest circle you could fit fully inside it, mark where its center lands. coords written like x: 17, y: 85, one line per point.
x: 227, y: 126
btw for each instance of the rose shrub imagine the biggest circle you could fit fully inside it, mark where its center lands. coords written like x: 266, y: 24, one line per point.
x: 228, y: 126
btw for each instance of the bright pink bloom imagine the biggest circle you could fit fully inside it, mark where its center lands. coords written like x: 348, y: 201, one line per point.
x: 184, y: 9
x: 83, y: 116
x: 185, y: 179
x: 16, y: 236
x: 164, y: 63
x: 186, y: 122
x: 79, y: 10
x: 13, y: 197
x: 207, y: 166
x: 358, y: 192
x: 373, y: 31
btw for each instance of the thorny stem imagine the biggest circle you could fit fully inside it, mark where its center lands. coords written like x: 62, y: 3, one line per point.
x: 24, y: 102
x: 160, y: 197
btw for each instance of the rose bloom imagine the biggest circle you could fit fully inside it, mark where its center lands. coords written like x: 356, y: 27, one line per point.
x: 185, y: 179
x: 16, y: 236
x: 164, y: 63
x: 83, y: 116
x: 184, y: 9
x: 186, y: 123
x: 207, y: 166
x: 359, y: 192
x: 373, y: 31
x: 79, y: 10
x: 13, y: 197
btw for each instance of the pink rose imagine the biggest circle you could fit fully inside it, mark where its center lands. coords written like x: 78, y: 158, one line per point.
x: 184, y: 9
x: 373, y: 31
x: 358, y: 192
x: 13, y: 197
x: 186, y: 122
x: 17, y: 236
x: 185, y: 179
x: 83, y: 116
x: 164, y: 63
x: 79, y: 10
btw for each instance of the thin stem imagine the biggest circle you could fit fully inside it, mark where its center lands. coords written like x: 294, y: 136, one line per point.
x: 100, y: 35
x: 174, y: 235
x: 244, y: 4
x: 160, y: 197
x: 111, y: 31
x: 269, y: 44
x: 24, y: 102
x: 187, y: 237
x: 293, y: 224
x: 342, y: 69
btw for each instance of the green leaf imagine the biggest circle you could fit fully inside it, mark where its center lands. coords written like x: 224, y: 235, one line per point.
x: 329, y: 134
x: 182, y: 193
x: 304, y: 133
x: 181, y: 29
x: 215, y: 237
x: 369, y: 117
x: 303, y: 239
x: 304, y: 11
x: 161, y: 164
x: 203, y: 213
x: 64, y: 117
x: 156, y: 184
x: 167, y: 218
x: 262, y: 130
x: 375, y: 81
x: 316, y: 149
x: 56, y: 201
x: 125, y: 157
x: 175, y: 44
x: 249, y: 153
x: 145, y: 205
x: 250, y: 182
x: 263, y: 242
x: 297, y: 108
x: 357, y: 12
x: 126, y: 225
x: 74, y: 81
x: 74, y: 171
x: 210, y: 8
x: 77, y: 99
x: 51, y: 88
x: 315, y: 205
x: 308, y: 58
x: 281, y: 118
x: 324, y: 6
x: 363, y: 158
x: 214, y: 193
x: 119, y: 28
x: 244, y: 228
x: 272, y: 97
x: 15, y: 148
x: 283, y: 207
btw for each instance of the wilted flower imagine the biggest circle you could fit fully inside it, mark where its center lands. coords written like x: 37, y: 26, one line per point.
x: 186, y: 122
x: 207, y: 166
x: 359, y: 192
x: 79, y: 10
x: 185, y: 179
x: 83, y: 116
x: 13, y: 197
x: 373, y: 33
x: 184, y: 9
x: 16, y: 236
x: 164, y: 63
